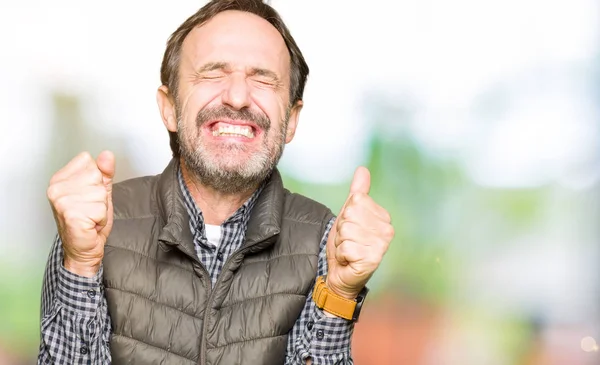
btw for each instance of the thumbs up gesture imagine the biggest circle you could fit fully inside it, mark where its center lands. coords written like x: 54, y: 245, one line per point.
x: 80, y: 195
x: 358, y: 239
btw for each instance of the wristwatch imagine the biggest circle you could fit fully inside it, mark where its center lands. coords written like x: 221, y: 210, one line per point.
x: 335, y: 304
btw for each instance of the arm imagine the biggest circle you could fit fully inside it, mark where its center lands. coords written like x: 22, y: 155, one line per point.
x: 75, y: 326
x: 319, y: 337
x: 355, y: 244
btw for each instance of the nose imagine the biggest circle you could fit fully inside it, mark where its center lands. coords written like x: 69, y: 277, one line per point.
x: 237, y: 92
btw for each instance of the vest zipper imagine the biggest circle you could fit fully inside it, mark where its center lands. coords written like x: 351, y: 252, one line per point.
x: 209, y: 301
x: 194, y: 257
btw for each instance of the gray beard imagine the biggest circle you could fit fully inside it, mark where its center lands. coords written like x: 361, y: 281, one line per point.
x: 239, y: 179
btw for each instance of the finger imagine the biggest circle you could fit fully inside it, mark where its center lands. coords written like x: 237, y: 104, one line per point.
x: 85, y: 217
x: 96, y: 212
x: 375, y: 241
x: 77, y: 164
x: 361, y: 182
x: 349, y: 252
x: 364, y: 235
x: 363, y: 216
x: 90, y: 175
x: 106, y: 165
x: 92, y: 194
x: 69, y: 193
x: 79, y: 214
x: 365, y: 201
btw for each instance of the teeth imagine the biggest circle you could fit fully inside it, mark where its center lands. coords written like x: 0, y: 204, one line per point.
x: 234, y: 131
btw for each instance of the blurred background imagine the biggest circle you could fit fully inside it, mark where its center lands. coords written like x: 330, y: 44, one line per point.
x: 479, y: 120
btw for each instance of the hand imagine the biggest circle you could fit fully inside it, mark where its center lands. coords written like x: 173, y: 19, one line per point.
x: 358, y: 239
x: 81, y: 198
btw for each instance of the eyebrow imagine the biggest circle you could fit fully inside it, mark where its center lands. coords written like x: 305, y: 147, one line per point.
x: 254, y: 71
x: 211, y: 66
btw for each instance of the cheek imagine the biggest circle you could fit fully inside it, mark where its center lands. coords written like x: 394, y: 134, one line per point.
x: 198, y: 97
x: 273, y: 105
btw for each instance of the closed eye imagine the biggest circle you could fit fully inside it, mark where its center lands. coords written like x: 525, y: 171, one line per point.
x: 265, y: 81
x: 264, y: 76
x: 211, y: 77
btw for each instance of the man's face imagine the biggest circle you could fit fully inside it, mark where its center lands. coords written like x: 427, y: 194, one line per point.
x: 232, y: 110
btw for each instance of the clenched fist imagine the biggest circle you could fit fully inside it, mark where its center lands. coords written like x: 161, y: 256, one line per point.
x: 81, y: 198
x: 358, y: 239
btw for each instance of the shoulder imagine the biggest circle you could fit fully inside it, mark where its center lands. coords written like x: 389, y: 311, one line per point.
x: 306, y: 210
x: 134, y: 198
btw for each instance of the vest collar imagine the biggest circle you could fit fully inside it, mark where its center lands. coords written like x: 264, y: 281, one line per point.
x: 263, y: 227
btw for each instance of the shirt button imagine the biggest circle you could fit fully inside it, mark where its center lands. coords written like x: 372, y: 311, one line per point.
x: 83, y: 350
x: 310, y: 325
x: 220, y: 256
x: 91, y: 293
x: 320, y: 334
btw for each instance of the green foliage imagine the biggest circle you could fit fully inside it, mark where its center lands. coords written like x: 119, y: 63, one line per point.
x: 20, y: 307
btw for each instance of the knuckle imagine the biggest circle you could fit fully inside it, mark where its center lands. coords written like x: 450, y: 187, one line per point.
x: 70, y: 217
x: 360, y: 198
x: 80, y: 161
x: 389, y: 232
x: 375, y: 259
x: 59, y: 204
x: 52, y: 192
x: 53, y: 179
x: 348, y: 213
x: 86, y: 156
x: 345, y: 230
x: 343, y: 248
x: 387, y: 216
x: 95, y: 175
x: 339, y: 222
x: 98, y: 212
x: 338, y: 241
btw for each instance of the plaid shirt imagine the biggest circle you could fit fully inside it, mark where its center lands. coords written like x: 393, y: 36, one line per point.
x: 75, y: 324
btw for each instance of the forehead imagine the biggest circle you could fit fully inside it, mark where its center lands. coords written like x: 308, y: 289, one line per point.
x: 239, y: 38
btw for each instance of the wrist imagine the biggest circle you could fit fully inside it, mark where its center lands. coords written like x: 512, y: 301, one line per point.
x: 337, y: 305
x: 345, y: 293
x: 86, y: 269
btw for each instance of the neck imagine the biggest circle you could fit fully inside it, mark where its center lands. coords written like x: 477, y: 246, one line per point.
x: 216, y: 206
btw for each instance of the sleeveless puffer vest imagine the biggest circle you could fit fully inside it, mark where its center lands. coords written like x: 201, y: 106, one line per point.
x: 160, y: 300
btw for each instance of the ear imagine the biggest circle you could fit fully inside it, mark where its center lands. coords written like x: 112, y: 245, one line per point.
x: 166, y: 105
x: 293, y: 121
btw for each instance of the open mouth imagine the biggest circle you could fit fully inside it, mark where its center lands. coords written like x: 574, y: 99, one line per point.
x: 233, y: 129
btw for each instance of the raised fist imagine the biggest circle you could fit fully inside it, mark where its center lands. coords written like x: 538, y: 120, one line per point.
x: 81, y: 198
x: 358, y: 240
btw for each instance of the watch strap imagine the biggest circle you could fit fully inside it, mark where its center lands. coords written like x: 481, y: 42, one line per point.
x: 329, y: 301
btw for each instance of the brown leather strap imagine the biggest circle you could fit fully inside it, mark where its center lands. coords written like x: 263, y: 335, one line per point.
x: 327, y: 300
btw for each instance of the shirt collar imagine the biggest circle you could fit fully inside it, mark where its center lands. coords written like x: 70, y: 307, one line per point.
x: 242, y: 215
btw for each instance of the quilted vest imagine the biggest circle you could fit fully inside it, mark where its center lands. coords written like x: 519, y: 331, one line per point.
x: 160, y: 299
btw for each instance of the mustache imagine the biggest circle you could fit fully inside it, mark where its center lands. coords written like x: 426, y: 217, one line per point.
x: 223, y: 112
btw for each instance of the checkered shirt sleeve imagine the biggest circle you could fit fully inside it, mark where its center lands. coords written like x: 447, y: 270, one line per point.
x: 75, y: 326
x: 324, y: 339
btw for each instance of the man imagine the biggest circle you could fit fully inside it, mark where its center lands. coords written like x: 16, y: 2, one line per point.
x: 212, y: 261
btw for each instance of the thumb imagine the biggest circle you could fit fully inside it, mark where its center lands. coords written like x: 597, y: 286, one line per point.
x: 361, y: 183
x: 106, y: 165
